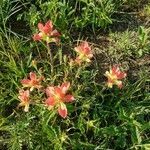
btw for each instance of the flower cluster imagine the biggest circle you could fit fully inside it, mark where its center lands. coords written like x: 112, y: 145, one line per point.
x: 84, y: 53
x: 24, y: 99
x: 47, y: 33
x: 57, y: 96
x: 31, y: 83
x: 114, y: 76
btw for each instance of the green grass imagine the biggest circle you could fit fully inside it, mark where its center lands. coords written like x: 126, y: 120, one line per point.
x: 99, y: 118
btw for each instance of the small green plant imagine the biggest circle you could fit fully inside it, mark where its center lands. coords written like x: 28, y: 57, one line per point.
x: 143, y: 37
x: 69, y: 14
x: 8, y: 9
x: 129, y: 43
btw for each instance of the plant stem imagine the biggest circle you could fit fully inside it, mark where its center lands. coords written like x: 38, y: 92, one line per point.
x: 78, y: 72
x: 51, y: 57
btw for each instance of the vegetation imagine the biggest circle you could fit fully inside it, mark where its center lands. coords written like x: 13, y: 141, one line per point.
x: 74, y: 75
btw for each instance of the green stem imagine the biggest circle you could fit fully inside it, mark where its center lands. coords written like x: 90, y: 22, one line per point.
x: 51, y: 58
x: 78, y: 72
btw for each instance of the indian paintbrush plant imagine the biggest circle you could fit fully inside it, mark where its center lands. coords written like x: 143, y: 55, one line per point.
x: 57, y: 96
x: 66, y: 93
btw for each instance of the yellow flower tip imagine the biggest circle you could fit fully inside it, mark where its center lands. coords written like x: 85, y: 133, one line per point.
x: 110, y: 85
x: 119, y: 84
x: 88, y: 60
x: 34, y: 63
x: 50, y: 107
x: 62, y: 105
x: 26, y: 108
x: 31, y: 89
x: 21, y: 104
x: 76, y: 49
x: 107, y: 74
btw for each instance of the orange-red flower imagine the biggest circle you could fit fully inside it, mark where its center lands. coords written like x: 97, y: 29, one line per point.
x: 114, y: 76
x: 33, y: 82
x: 47, y: 33
x: 57, y: 96
x: 24, y: 99
x: 84, y: 52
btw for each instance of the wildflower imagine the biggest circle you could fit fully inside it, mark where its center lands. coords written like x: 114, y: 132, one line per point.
x: 57, y: 96
x: 84, y: 52
x: 34, y: 63
x: 33, y: 82
x: 24, y: 99
x: 114, y: 76
x: 47, y: 33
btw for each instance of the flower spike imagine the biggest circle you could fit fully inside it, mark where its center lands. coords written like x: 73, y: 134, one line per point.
x: 84, y: 53
x: 24, y: 99
x: 57, y: 96
x: 33, y: 82
x: 47, y: 33
x: 114, y: 76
